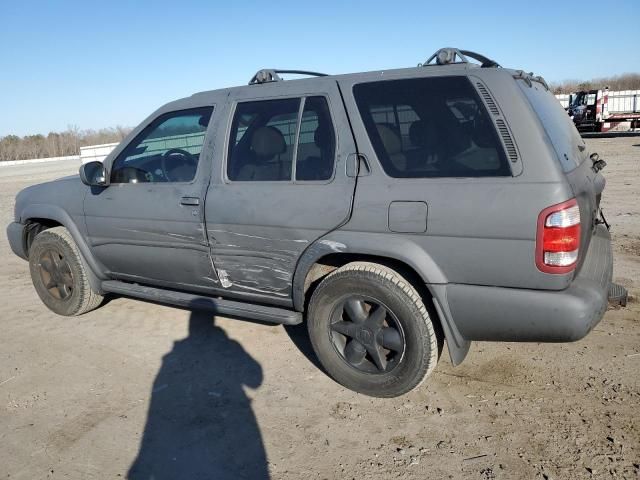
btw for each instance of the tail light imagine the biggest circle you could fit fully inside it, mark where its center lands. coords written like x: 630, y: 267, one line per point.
x: 558, y: 238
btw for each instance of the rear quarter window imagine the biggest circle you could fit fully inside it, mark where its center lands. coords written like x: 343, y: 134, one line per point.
x: 430, y: 127
x: 566, y: 141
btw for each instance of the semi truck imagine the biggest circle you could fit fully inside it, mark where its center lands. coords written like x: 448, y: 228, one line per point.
x: 603, y: 110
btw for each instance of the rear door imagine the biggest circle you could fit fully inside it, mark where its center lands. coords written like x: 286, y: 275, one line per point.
x: 281, y: 186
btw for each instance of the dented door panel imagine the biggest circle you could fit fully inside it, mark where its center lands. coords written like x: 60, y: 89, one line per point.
x: 259, y: 229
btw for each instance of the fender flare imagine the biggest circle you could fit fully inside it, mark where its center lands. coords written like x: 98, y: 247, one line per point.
x: 95, y: 270
x: 401, y: 249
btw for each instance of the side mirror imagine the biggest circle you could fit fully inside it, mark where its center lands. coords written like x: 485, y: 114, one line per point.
x: 94, y: 174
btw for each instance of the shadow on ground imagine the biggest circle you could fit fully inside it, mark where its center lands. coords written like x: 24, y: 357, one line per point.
x: 300, y: 338
x: 200, y: 422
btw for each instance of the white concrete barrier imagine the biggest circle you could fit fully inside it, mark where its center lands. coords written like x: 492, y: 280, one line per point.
x: 38, y: 160
x: 90, y: 153
x: 563, y: 99
x: 96, y: 153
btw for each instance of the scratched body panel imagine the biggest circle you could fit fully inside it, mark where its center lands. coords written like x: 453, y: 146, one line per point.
x: 144, y: 231
x: 258, y: 230
x: 255, y: 245
x: 260, y: 263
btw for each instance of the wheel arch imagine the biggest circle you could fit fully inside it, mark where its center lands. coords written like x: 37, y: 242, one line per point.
x: 39, y: 217
x: 405, y: 257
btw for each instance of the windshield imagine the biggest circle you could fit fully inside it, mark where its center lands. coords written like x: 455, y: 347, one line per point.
x: 578, y: 99
x: 583, y: 98
x: 569, y: 146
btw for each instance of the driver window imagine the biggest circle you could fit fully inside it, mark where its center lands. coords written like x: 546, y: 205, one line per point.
x: 167, y: 150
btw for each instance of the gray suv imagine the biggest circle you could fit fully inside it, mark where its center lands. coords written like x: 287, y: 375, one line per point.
x: 391, y: 210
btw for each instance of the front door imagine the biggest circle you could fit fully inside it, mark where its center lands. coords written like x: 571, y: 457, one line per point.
x: 148, y: 224
x: 282, y: 186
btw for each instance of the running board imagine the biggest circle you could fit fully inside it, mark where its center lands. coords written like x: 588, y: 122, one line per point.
x: 202, y: 302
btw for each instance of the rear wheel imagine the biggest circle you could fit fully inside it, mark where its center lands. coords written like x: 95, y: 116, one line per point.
x: 371, y: 330
x: 58, y: 275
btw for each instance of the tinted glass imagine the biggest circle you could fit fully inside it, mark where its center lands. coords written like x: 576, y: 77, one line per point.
x: 317, y: 141
x: 263, y: 140
x: 559, y: 127
x: 168, y: 150
x: 430, y: 127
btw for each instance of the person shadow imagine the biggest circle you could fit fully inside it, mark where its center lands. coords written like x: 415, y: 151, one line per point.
x: 200, y: 423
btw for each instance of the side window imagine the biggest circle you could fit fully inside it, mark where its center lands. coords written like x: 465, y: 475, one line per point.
x: 263, y: 140
x: 317, y: 141
x: 168, y: 150
x: 430, y: 127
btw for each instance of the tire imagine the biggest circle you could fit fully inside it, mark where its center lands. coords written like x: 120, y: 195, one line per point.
x: 58, y: 274
x: 357, y: 348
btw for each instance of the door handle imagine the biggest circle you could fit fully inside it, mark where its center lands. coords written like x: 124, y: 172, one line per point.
x: 192, y: 201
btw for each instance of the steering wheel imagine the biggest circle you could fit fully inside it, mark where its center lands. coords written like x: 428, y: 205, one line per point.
x: 186, y: 159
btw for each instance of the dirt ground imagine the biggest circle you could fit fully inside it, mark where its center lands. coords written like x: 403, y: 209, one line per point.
x: 141, y: 390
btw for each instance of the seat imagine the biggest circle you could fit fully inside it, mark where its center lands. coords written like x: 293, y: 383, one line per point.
x: 423, y: 135
x: 267, y: 144
x: 314, y: 167
x: 393, y: 146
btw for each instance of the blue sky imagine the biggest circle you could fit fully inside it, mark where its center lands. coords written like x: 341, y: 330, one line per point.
x: 107, y: 63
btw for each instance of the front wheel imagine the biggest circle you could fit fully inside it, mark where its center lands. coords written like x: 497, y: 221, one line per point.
x: 371, y: 330
x: 58, y: 274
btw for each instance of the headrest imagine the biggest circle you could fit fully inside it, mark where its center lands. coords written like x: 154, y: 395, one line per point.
x: 322, y: 136
x: 268, y: 142
x: 390, y: 139
x: 203, y: 121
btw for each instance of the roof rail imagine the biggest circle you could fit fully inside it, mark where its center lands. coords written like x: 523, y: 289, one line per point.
x: 267, y: 75
x: 447, y: 56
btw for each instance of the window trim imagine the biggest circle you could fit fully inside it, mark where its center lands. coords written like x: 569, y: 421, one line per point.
x: 292, y: 181
x: 433, y: 178
x: 144, y: 130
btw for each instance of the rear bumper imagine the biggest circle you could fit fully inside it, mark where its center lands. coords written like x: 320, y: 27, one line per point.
x: 519, y: 315
x: 15, y: 235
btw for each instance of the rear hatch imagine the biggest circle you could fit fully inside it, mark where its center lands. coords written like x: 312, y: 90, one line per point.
x: 572, y: 155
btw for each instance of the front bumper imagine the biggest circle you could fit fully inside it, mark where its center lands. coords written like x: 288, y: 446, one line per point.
x: 519, y: 315
x: 15, y: 235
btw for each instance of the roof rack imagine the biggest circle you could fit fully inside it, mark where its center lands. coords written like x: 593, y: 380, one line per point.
x: 267, y: 75
x: 447, y: 56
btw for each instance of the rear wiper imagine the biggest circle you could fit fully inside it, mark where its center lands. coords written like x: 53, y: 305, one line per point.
x: 598, y: 164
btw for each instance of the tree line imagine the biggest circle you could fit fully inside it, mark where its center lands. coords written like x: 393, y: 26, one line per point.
x: 57, y: 144
x: 626, y: 81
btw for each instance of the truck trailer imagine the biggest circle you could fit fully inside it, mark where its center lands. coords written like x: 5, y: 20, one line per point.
x: 603, y: 110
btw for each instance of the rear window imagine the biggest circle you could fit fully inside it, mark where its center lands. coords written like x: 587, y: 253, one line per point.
x: 430, y: 127
x: 557, y: 124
